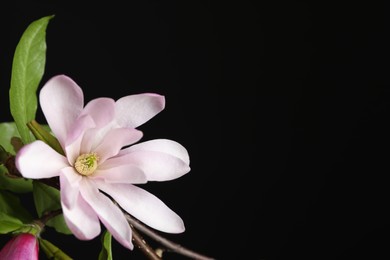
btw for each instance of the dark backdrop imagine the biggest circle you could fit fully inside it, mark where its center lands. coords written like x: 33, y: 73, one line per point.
x: 283, y: 108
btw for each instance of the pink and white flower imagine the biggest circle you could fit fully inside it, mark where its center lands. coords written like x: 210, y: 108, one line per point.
x: 102, y: 157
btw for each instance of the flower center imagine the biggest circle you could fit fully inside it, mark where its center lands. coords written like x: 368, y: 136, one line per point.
x: 86, y: 164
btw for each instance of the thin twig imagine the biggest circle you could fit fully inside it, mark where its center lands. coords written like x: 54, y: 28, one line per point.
x: 49, y: 215
x: 41, y: 222
x: 174, y: 247
x: 143, y: 246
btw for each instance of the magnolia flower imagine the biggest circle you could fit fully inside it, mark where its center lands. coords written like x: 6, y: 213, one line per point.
x: 101, y: 158
x: 23, y: 246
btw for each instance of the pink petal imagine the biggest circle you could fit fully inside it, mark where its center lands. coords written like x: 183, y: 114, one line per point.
x: 62, y: 101
x: 115, y: 140
x: 74, y: 141
x: 164, y: 146
x: 70, y: 182
x: 102, y: 110
x: 160, y: 160
x: 91, y: 138
x: 144, y: 206
x: 120, y: 174
x: 134, y: 110
x: 81, y: 124
x: 81, y: 220
x: 38, y: 160
x: 109, y: 214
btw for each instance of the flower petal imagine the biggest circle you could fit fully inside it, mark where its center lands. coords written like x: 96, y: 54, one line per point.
x: 81, y: 220
x: 62, y: 101
x: 69, y: 181
x: 120, y: 174
x: 102, y: 110
x: 164, y: 146
x: 109, y: 214
x: 134, y: 110
x: 160, y: 159
x: 75, y: 140
x: 144, y: 206
x: 37, y: 160
x: 115, y: 140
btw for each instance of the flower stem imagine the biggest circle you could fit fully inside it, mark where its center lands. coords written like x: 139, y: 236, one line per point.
x: 174, y: 247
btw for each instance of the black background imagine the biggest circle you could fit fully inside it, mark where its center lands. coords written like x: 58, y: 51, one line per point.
x: 283, y: 108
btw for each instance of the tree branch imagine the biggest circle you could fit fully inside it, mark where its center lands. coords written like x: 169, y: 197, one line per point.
x: 174, y: 247
x: 143, y: 246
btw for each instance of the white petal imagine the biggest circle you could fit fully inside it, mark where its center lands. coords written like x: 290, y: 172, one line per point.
x: 134, y: 110
x: 75, y: 138
x: 164, y: 146
x: 61, y: 100
x: 37, y: 160
x: 82, y: 220
x: 160, y: 160
x: 109, y: 214
x: 120, y: 174
x: 115, y: 140
x: 144, y: 206
x: 69, y: 181
x: 102, y: 110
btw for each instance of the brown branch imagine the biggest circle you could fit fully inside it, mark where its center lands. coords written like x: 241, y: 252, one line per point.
x: 174, y: 247
x: 143, y: 246
x: 41, y: 222
x: 49, y: 215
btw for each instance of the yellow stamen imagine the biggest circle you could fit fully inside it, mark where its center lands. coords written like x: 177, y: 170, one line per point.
x: 86, y: 164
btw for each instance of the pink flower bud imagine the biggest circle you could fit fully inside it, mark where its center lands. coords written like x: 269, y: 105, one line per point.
x: 23, y: 246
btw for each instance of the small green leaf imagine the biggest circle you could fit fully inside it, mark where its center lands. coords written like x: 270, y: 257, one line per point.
x: 9, y: 223
x: 48, y: 199
x: 8, y: 130
x: 17, y: 185
x: 106, y: 252
x: 44, y: 135
x: 52, y: 251
x: 10, y: 205
x: 27, y: 70
x: 59, y: 224
x: 12, y: 214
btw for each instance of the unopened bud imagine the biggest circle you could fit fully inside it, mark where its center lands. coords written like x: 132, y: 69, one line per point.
x: 22, y: 246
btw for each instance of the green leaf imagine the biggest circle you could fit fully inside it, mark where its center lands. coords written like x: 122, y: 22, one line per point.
x: 48, y: 199
x: 8, y: 223
x: 106, y: 252
x: 10, y: 205
x: 12, y: 214
x: 41, y: 133
x: 8, y: 130
x: 52, y: 251
x: 17, y: 185
x: 27, y: 70
x: 59, y: 224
